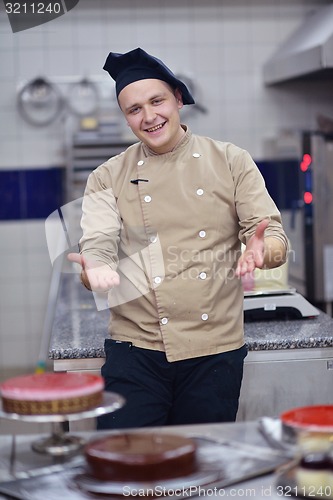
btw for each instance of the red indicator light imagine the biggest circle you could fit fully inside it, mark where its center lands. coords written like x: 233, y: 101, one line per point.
x: 306, y: 162
x: 307, y: 197
x: 307, y: 159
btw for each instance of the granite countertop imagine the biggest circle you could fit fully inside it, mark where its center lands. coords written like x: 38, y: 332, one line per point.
x: 79, y: 329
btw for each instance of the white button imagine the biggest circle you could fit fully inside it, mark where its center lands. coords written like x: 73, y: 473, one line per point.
x: 204, y: 316
x: 141, y: 162
x: 196, y: 155
x: 202, y: 276
x: 200, y: 192
x: 202, y: 234
x: 153, y: 239
x: 164, y: 321
x: 158, y: 280
x: 147, y: 199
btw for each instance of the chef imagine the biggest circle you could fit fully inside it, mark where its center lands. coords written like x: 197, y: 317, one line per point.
x: 163, y: 224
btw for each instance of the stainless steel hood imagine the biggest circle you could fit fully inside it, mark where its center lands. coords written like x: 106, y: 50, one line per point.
x: 307, y: 53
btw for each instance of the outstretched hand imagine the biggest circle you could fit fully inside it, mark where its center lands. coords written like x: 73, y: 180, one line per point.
x: 100, y: 277
x: 253, y: 255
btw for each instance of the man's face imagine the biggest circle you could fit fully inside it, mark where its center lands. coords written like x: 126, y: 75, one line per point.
x: 152, y: 111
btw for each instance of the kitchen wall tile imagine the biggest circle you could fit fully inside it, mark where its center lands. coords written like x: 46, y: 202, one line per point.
x: 179, y: 32
x: 7, y: 41
x: 8, y: 125
x: 11, y: 237
x: 15, y: 354
x: 35, y: 318
x: 7, y: 96
x: 25, y: 130
x: 198, y: 11
x: 33, y: 38
x: 33, y: 349
x: 184, y: 10
x: 265, y: 118
x: 147, y: 32
x: 12, y: 264
x: 7, y: 63
x: 258, y: 55
x: 178, y: 60
x: 119, y: 38
x: 90, y: 61
x: 12, y: 293
x: 49, y: 153
x: 34, y: 236
x: 203, y: 64
x: 38, y: 267
x: 89, y: 34
x: 236, y: 59
x: 263, y: 31
x: 237, y: 28
x: 30, y: 63
x: 61, y: 34
x: 236, y: 88
x: 13, y: 325
x: 61, y: 61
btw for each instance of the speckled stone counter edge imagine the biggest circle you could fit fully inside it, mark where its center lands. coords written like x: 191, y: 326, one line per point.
x: 79, y: 330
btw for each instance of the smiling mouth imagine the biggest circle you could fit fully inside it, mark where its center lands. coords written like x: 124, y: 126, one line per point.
x: 157, y: 127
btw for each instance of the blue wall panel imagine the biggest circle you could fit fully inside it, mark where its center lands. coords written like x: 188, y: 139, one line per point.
x: 30, y: 194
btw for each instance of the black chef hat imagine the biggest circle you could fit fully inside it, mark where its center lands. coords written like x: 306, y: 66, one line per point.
x: 138, y: 65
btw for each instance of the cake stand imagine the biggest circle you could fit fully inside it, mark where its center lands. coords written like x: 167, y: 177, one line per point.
x: 59, y: 443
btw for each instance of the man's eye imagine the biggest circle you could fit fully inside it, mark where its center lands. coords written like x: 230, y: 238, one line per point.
x: 157, y: 101
x: 133, y: 111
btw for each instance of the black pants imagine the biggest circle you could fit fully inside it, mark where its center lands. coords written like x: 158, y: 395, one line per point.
x: 157, y: 392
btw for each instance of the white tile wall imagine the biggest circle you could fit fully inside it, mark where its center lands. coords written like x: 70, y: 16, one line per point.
x: 220, y: 44
x: 24, y: 283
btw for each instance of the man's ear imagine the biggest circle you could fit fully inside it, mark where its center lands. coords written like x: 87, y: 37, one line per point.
x: 179, y: 98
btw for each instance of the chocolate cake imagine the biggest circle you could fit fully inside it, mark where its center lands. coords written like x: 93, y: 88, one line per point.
x: 140, y: 457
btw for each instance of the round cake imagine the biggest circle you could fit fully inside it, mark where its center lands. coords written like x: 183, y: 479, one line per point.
x: 51, y: 393
x: 314, y: 475
x: 141, y: 457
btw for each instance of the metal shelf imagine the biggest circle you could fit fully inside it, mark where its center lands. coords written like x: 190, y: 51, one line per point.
x: 85, y: 152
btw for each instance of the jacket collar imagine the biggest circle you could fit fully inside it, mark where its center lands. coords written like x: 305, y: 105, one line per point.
x: 180, y: 145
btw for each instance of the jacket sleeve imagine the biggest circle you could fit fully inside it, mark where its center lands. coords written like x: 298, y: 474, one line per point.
x: 100, y: 221
x: 252, y: 200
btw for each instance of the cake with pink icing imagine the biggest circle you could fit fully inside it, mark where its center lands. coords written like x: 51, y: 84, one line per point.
x: 51, y: 393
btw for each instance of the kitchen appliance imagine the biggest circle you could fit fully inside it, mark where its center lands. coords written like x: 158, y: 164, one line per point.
x: 40, y: 102
x: 300, y: 180
x: 83, y: 98
x: 307, y: 54
x: 277, y: 304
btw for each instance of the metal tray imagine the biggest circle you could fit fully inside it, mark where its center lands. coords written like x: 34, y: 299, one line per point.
x: 220, y: 464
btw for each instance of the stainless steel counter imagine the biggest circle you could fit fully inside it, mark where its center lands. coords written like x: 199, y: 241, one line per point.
x: 242, y: 438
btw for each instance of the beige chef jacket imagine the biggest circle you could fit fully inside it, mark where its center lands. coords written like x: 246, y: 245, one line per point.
x: 172, y: 226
